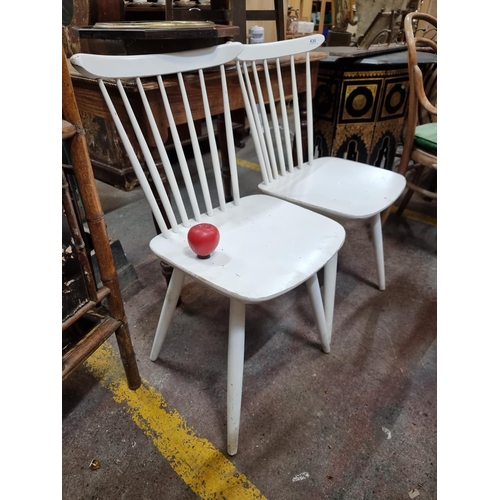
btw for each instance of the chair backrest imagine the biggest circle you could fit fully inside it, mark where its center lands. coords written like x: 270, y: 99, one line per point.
x: 260, y: 69
x: 148, y: 96
x: 421, y: 36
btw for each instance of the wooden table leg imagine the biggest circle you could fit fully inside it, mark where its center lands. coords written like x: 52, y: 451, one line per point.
x: 165, y: 268
x: 226, y: 173
x: 303, y: 128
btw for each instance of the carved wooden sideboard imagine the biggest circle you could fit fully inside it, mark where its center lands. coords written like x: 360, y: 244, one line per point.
x: 360, y: 107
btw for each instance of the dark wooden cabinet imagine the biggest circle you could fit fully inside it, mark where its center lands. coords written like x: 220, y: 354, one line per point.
x: 360, y: 111
x: 154, y: 11
x: 231, y: 12
x: 218, y: 11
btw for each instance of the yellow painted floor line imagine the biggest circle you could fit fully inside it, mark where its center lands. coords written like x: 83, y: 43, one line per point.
x: 410, y: 214
x: 200, y: 465
x: 248, y: 164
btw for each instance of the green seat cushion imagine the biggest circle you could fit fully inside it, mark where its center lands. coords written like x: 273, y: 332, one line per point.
x: 426, y: 138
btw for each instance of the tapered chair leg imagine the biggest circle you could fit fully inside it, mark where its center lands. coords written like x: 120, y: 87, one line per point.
x: 329, y: 285
x: 235, y: 361
x: 167, y: 311
x: 378, y: 243
x: 314, y: 291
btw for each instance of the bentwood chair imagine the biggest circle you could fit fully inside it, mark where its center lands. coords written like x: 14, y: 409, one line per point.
x: 419, y: 156
x: 338, y: 188
x: 267, y: 246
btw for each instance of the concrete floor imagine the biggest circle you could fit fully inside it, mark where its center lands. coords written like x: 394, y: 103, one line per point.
x: 358, y: 423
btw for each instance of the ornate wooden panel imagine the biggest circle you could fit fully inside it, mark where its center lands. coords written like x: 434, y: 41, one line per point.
x: 360, y: 111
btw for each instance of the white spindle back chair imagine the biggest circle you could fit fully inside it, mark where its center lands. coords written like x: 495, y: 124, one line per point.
x: 267, y: 246
x: 335, y: 187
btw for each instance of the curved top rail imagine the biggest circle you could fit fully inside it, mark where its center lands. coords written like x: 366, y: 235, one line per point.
x: 106, y: 66
x: 283, y: 48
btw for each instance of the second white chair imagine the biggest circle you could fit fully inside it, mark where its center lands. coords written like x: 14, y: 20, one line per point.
x: 338, y: 188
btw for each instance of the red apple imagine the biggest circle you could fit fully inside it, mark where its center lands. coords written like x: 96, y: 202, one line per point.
x: 203, y: 239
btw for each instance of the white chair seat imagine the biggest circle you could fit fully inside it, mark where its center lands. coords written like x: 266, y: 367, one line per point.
x: 259, y: 255
x: 339, y: 188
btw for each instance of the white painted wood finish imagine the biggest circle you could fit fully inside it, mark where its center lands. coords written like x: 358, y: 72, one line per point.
x: 103, y: 66
x: 278, y: 49
x: 267, y: 246
x: 337, y: 188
